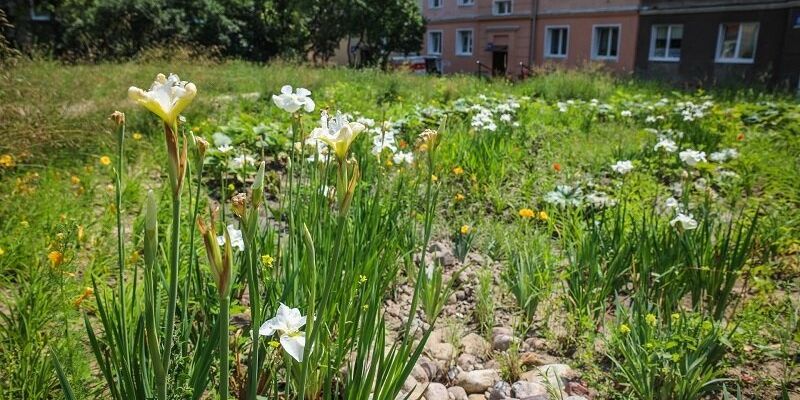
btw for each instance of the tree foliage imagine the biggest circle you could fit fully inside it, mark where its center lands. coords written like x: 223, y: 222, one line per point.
x: 249, y: 29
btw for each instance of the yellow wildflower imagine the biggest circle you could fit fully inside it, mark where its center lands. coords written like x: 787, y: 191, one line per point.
x: 75, y: 180
x: 81, y: 233
x: 676, y: 317
x: 2, y: 251
x: 624, y: 329
x: 465, y: 229
x: 274, y: 344
x: 362, y: 279
x: 86, y: 293
x: 459, y: 197
x: 24, y: 224
x: 651, y: 319
x: 434, y: 178
x: 267, y: 260
x: 105, y: 160
x: 137, y: 136
x: 195, y: 129
x: 458, y: 171
x: 7, y: 161
x: 56, y: 258
x: 526, y: 213
x: 389, y: 162
x: 543, y: 216
x: 134, y: 258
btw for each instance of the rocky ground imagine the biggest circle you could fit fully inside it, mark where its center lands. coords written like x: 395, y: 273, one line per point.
x: 461, y: 364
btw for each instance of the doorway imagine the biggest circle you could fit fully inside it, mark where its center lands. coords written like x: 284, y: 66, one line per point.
x: 499, y: 62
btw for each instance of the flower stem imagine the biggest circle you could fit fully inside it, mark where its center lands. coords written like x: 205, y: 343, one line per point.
x: 224, y: 301
x: 173, y: 285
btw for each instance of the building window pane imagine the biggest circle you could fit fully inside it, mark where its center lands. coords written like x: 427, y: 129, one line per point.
x: 666, y: 42
x: 464, y: 43
x: 737, y: 42
x: 435, y: 42
x: 502, y: 7
x: 556, y: 38
x: 435, y: 3
x: 675, y: 41
x: 606, y: 42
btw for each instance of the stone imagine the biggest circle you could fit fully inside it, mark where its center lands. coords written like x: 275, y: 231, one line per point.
x: 502, y: 342
x: 532, y: 359
x: 467, y: 362
x: 500, y: 391
x: 442, y: 351
x: 436, y: 391
x: 575, y: 398
x: 457, y: 393
x: 501, y: 330
x: 557, y: 374
x: 478, y: 381
x: 476, y: 397
x: 419, y: 373
x: 431, y: 368
x: 577, y: 389
x: 475, y: 345
x: 524, y: 389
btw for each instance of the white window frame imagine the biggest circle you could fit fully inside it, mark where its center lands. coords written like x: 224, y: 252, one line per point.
x: 38, y: 17
x: 652, y: 56
x: 510, y: 7
x: 465, y: 3
x: 548, y: 38
x: 736, y: 60
x: 441, y: 42
x: 458, y: 42
x: 595, y: 47
x: 431, y: 6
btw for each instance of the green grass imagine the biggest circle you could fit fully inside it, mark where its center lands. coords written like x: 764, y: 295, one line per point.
x: 58, y: 196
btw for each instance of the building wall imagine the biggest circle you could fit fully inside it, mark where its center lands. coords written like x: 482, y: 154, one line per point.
x: 777, y: 54
x: 513, y: 31
x: 579, y: 44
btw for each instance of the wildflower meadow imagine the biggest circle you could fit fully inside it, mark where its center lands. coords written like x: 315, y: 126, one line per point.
x: 195, y: 229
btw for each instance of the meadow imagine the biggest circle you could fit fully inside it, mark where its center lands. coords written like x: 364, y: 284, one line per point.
x: 372, y: 235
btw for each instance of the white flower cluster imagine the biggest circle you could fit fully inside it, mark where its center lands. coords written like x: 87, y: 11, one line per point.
x: 488, y: 113
x: 691, y: 111
x: 723, y: 155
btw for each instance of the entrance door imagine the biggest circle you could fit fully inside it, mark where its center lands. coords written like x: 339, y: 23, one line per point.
x: 499, y: 63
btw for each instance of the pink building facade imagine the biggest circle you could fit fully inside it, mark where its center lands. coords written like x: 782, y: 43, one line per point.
x: 502, y: 34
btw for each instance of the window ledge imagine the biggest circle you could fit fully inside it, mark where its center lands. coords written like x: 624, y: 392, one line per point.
x: 605, y: 58
x: 734, y: 61
x: 555, y: 56
x: 664, y: 59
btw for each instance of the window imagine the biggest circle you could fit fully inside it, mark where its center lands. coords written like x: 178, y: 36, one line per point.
x: 466, y: 2
x: 556, y: 38
x: 464, y: 42
x: 605, y: 42
x: 435, y: 3
x: 665, y: 42
x: 435, y: 42
x: 737, y: 42
x: 39, y: 11
x: 502, y: 7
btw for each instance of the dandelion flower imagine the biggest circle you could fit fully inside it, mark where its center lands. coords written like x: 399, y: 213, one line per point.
x: 7, y: 161
x: 56, y: 258
x: 651, y: 319
x: 543, y: 215
x: 137, y: 136
x: 105, y: 160
x: 459, y: 197
x: 287, y: 323
x: 75, y: 180
x: 434, y: 178
x: 527, y: 213
x: 465, y: 229
x: 458, y: 171
x: 624, y: 329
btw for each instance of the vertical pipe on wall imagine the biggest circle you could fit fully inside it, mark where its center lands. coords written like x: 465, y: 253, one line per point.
x: 534, y: 13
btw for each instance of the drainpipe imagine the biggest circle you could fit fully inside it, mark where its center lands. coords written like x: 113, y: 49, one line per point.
x: 534, y: 13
